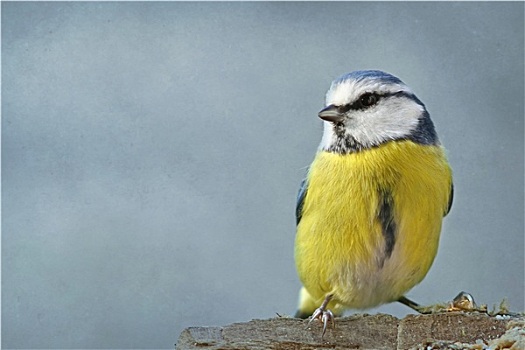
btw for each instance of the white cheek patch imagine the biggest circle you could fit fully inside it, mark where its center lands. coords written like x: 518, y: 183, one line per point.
x: 390, y: 119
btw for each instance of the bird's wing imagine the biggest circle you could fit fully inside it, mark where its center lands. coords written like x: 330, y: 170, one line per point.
x: 450, y: 198
x: 300, y: 201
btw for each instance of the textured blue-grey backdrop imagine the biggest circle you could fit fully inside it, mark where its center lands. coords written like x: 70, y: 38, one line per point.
x: 151, y: 154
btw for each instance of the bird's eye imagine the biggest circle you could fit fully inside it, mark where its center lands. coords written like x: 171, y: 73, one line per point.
x: 367, y: 100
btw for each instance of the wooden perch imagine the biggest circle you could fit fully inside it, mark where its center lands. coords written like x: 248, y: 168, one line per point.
x: 453, y: 330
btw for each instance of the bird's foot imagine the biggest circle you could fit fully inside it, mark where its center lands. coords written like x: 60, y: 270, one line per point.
x: 325, y: 316
x: 463, y: 302
x: 425, y: 310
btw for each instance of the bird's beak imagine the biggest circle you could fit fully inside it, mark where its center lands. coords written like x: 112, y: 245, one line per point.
x: 331, y: 114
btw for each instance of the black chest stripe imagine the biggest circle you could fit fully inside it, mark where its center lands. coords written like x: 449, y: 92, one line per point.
x: 386, y: 219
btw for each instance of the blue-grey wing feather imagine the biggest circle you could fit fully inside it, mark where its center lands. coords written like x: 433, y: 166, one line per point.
x: 300, y: 201
x: 450, y: 198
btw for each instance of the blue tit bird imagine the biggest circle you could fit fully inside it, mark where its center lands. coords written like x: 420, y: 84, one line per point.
x: 370, y: 210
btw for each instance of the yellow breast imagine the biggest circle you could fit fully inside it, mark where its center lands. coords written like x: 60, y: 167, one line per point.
x: 341, y: 247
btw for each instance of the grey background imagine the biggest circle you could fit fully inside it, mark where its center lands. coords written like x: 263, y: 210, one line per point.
x: 152, y: 152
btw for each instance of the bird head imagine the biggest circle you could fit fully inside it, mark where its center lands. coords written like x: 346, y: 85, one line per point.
x: 365, y: 109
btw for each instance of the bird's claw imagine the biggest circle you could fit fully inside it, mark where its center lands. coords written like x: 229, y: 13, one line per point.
x: 325, y: 316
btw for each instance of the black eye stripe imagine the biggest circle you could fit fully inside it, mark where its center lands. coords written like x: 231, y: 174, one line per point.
x: 366, y: 100
x: 344, y: 108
